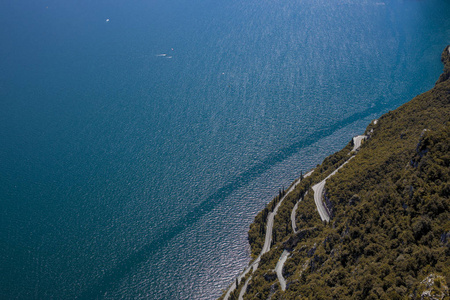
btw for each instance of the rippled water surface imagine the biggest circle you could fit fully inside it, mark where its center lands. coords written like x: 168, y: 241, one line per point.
x: 140, y: 138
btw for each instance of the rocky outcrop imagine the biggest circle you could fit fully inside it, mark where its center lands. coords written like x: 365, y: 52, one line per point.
x: 445, y: 239
x: 293, y: 240
x: 435, y: 288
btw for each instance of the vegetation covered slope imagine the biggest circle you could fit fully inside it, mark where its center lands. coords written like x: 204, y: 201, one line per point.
x: 389, y: 236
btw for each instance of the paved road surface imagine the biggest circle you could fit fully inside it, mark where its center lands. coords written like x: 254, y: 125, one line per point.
x: 318, y: 193
x: 293, y: 213
x: 357, y: 140
x: 279, y: 269
x: 244, y: 289
x: 324, y: 215
x: 267, y: 241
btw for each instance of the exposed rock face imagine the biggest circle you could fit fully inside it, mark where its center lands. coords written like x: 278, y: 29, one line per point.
x: 435, y: 288
x: 312, y: 250
x: 301, y: 235
x: 445, y: 238
x: 270, y: 276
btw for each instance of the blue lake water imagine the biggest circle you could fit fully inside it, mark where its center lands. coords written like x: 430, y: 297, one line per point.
x: 135, y: 152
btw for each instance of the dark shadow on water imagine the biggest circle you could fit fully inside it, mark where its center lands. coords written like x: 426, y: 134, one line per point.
x: 134, y: 260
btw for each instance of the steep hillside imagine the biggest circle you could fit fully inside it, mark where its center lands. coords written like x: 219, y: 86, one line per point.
x: 389, y: 233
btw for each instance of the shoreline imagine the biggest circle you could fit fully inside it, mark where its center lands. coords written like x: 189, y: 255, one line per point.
x: 253, y: 265
x: 267, y: 241
x: 396, y: 129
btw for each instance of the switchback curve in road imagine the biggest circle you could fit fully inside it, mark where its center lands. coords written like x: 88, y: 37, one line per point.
x: 357, y: 140
x: 267, y: 240
x: 318, y: 193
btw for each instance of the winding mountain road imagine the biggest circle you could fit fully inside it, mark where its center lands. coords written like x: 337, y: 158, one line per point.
x: 318, y: 194
x: 267, y: 242
x: 318, y: 188
x: 324, y: 215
